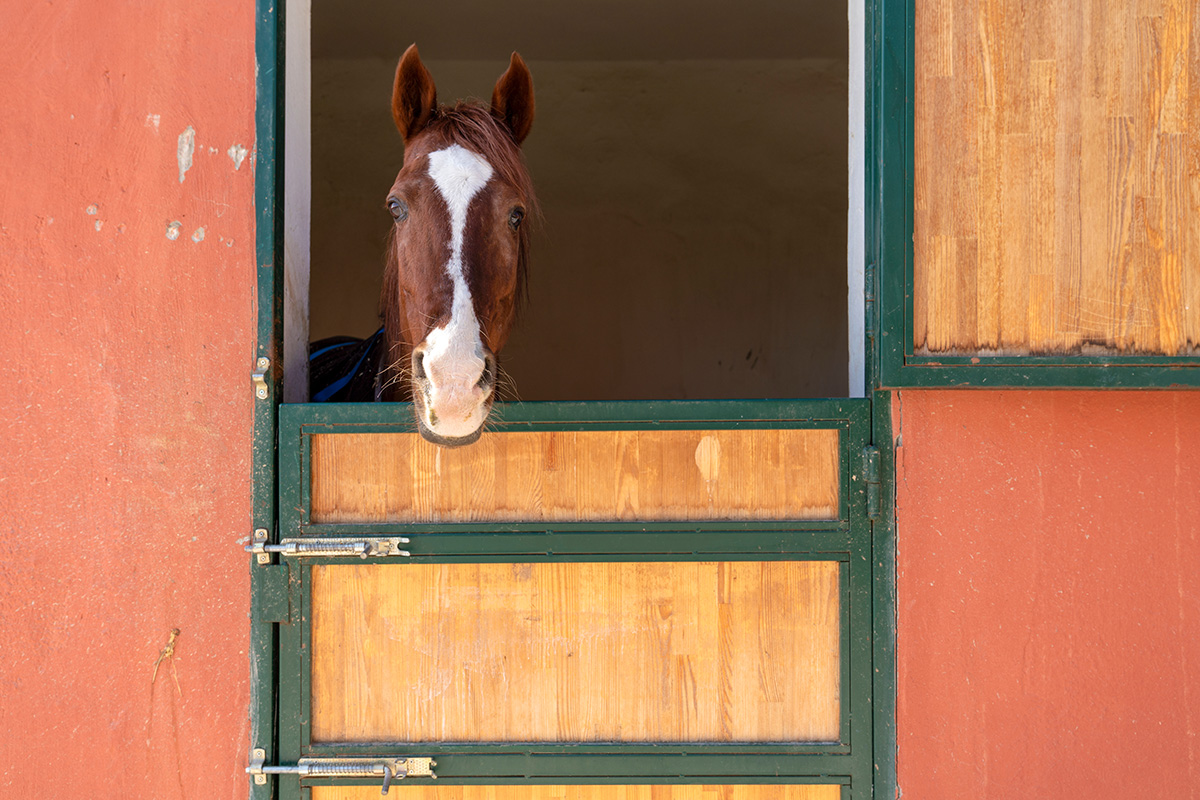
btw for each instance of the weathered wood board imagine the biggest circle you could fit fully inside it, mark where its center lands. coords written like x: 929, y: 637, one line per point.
x: 1057, y: 177
x: 576, y: 792
x: 577, y: 652
x: 577, y: 476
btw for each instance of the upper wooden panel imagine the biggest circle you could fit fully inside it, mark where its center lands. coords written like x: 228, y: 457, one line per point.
x: 577, y: 652
x: 577, y: 475
x: 406, y: 791
x: 1057, y: 196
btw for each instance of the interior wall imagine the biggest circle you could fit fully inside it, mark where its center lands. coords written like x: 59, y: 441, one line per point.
x: 694, y: 234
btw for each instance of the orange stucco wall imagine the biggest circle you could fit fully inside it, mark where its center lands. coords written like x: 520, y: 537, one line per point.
x: 1049, y: 549
x: 1048, y: 594
x: 125, y: 397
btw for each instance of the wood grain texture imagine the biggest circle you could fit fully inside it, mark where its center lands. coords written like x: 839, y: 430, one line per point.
x: 577, y: 476
x: 1057, y: 177
x: 576, y: 652
x: 573, y: 792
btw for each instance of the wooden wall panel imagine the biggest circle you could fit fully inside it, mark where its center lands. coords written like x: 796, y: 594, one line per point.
x: 572, y: 792
x: 586, y: 476
x: 1057, y: 177
x: 576, y: 652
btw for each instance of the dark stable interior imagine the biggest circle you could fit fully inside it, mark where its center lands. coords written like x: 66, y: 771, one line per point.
x: 690, y: 161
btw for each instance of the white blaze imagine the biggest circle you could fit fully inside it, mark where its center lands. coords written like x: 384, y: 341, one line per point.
x: 454, y: 354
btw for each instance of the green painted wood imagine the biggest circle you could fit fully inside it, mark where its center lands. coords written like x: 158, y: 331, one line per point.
x: 272, y: 603
x: 883, y: 544
x: 847, y: 540
x: 268, y: 255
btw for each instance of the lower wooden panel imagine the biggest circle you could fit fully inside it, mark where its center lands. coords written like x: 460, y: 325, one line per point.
x: 576, y: 652
x: 571, y: 792
x: 577, y: 476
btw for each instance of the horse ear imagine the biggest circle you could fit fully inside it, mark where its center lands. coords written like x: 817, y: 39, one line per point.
x: 512, y: 99
x: 414, y: 97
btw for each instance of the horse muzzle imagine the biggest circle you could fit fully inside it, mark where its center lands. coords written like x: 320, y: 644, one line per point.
x: 452, y: 400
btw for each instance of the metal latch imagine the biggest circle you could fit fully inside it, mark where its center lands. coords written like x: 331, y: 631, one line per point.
x: 259, y: 376
x: 313, y: 547
x: 392, y: 769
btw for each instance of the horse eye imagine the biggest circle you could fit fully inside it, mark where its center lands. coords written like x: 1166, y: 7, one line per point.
x: 397, y: 208
x: 514, y: 219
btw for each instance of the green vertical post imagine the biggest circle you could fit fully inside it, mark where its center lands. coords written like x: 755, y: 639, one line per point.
x: 269, y: 274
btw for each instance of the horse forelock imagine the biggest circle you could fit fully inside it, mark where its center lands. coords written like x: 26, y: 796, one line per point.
x: 475, y: 128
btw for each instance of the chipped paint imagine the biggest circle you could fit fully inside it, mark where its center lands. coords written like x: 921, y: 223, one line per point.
x: 152, y: 120
x: 183, y: 154
x: 238, y: 154
x: 93, y: 209
x: 173, y: 229
x: 198, y: 236
x: 99, y: 224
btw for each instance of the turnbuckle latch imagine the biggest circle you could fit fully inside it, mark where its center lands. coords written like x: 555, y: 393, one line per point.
x: 363, y: 547
x: 392, y: 769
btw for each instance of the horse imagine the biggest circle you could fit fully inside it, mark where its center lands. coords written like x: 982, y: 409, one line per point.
x: 457, y: 254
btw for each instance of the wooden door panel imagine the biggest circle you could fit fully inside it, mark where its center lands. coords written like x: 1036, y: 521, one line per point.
x: 577, y: 476
x: 1055, y: 195
x: 577, y: 652
x: 576, y: 792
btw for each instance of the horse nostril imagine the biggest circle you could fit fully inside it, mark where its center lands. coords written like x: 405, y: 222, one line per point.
x: 418, y: 364
x: 488, y: 379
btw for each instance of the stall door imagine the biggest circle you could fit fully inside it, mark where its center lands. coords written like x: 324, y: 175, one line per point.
x: 658, y: 600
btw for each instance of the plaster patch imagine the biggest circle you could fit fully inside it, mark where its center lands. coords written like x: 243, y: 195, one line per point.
x: 183, y: 153
x: 238, y: 154
x: 173, y: 229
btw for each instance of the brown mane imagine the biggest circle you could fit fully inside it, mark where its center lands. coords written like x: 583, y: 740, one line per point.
x: 476, y: 128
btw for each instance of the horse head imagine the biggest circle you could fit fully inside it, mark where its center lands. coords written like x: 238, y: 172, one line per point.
x: 457, y: 253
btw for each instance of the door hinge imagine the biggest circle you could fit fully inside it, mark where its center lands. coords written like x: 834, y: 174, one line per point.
x: 313, y: 547
x: 871, y: 481
x: 391, y: 769
x: 259, y: 376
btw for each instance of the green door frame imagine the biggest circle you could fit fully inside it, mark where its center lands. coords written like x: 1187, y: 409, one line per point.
x: 846, y: 540
x: 866, y: 549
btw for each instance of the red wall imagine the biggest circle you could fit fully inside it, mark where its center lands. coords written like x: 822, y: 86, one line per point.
x: 1049, y: 568
x: 1049, y: 594
x: 125, y: 434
